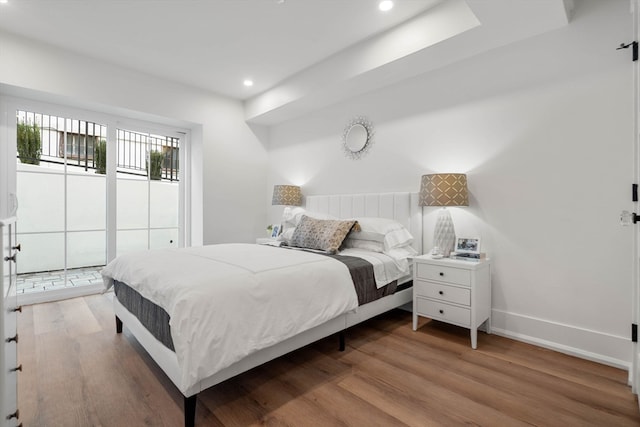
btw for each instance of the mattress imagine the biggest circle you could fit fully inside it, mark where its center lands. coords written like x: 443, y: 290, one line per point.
x: 152, y: 316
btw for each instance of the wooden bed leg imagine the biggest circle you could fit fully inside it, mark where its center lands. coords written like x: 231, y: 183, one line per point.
x: 118, y: 325
x: 342, y: 343
x: 190, y: 411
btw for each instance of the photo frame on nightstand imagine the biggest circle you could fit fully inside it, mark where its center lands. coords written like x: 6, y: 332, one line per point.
x: 467, y: 245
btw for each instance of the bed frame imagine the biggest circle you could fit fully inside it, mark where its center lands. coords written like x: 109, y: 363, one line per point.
x: 402, y: 207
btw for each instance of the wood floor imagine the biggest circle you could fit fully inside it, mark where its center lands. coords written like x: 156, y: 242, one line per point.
x: 78, y: 372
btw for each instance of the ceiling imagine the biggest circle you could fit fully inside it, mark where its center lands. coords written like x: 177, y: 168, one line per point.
x: 284, y: 46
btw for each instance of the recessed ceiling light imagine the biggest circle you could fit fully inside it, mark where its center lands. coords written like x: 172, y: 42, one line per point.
x: 385, y: 5
x: 248, y: 82
x: 4, y: 1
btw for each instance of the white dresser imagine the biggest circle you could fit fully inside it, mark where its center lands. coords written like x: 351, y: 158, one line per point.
x: 453, y: 291
x: 9, y: 414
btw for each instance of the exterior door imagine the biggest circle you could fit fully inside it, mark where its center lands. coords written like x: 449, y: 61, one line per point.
x: 148, y: 188
x: 91, y: 189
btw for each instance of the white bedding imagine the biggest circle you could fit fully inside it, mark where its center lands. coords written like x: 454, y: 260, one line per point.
x: 385, y: 268
x: 235, y: 297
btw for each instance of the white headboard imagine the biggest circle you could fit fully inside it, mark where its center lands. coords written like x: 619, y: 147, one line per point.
x: 401, y: 207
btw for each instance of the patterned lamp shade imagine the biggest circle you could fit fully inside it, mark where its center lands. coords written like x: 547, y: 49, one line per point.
x: 288, y: 195
x: 444, y: 189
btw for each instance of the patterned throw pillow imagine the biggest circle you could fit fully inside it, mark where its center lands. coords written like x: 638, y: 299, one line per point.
x: 321, y: 234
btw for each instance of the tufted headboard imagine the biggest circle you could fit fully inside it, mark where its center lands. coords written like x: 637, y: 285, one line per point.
x: 401, y: 207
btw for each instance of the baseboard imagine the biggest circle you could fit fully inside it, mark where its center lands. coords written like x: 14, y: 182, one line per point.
x: 59, y: 294
x: 584, y: 343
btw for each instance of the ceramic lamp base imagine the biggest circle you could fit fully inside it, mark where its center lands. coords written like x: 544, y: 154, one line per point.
x: 444, y: 234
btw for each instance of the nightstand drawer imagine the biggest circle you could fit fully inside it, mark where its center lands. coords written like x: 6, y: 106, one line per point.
x: 440, y: 311
x: 443, y: 274
x: 442, y: 292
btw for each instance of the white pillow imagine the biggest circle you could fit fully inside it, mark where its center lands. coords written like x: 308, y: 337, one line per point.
x: 291, y: 217
x: 391, y: 233
x: 368, y: 245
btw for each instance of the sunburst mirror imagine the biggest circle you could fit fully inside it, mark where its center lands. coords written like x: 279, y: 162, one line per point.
x: 357, y: 138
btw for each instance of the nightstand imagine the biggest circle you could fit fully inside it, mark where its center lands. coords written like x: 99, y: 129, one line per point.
x: 453, y: 291
x: 265, y: 240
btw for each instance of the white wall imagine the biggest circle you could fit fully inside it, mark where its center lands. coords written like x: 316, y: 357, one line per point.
x: 543, y: 128
x: 228, y: 162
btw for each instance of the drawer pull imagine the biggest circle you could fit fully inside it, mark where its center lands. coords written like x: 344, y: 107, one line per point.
x: 441, y: 273
x: 17, y: 247
x: 14, y: 415
x: 14, y: 338
x: 10, y: 258
x: 17, y: 368
x: 18, y: 308
x: 441, y: 311
x: 441, y: 292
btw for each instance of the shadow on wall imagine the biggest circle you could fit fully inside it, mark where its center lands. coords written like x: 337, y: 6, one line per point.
x: 261, y: 133
x: 586, y: 46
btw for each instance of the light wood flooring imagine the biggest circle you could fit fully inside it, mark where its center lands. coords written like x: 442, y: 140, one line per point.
x: 78, y: 372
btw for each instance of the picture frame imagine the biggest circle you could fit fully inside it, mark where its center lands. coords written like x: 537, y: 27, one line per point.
x: 467, y: 245
x: 275, y: 231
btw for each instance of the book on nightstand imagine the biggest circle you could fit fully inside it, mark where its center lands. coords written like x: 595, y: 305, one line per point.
x: 466, y: 256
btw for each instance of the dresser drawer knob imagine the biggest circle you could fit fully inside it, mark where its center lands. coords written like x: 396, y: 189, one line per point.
x: 18, y: 247
x: 441, y: 273
x: 14, y: 338
x: 17, y: 368
x: 441, y: 311
x: 18, y: 308
x: 441, y: 292
x: 10, y: 258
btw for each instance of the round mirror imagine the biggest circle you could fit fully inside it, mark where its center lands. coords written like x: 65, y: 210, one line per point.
x: 356, y: 138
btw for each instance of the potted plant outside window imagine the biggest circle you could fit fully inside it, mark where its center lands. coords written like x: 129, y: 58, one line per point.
x: 101, y: 157
x: 154, y: 165
x: 29, y: 143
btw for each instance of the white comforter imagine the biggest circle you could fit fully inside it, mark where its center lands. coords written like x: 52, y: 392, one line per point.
x: 228, y: 301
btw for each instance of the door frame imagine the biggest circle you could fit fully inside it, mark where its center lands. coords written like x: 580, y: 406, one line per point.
x: 634, y: 374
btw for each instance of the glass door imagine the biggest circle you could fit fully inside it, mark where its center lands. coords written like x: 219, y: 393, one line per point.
x: 61, y: 189
x: 87, y: 190
x: 148, y: 191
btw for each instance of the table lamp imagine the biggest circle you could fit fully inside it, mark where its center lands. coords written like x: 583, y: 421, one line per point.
x: 444, y: 189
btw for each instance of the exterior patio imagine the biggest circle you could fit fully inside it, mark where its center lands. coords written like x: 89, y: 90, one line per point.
x: 54, y: 280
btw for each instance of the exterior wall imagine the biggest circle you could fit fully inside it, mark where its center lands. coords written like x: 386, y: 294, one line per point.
x: 42, y: 217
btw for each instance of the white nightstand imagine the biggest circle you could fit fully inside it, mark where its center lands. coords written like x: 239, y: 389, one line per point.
x: 453, y: 291
x: 265, y: 240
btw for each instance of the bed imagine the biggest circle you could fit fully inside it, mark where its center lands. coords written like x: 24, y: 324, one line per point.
x: 327, y: 283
